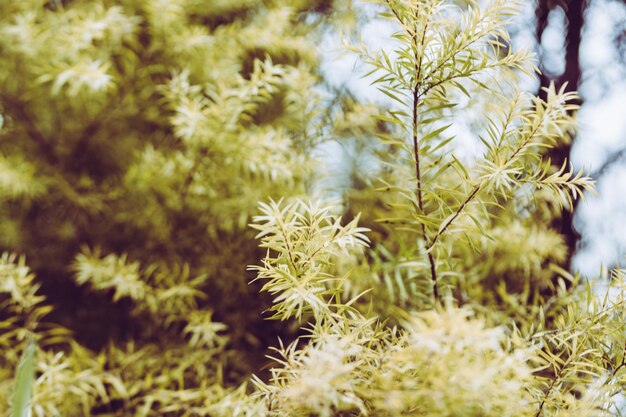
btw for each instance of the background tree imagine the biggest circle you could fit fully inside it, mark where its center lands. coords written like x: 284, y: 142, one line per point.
x: 137, y: 139
x: 573, y: 73
x: 574, y: 12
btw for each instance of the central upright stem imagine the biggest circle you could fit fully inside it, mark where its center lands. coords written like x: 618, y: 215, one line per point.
x: 420, y: 199
x: 418, y: 56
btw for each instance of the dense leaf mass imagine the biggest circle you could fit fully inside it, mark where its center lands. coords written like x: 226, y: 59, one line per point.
x: 143, y: 144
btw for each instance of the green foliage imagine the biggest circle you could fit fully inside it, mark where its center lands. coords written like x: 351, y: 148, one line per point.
x: 305, y: 238
x: 460, y: 308
x: 137, y: 138
x: 446, y: 360
x: 449, y: 64
x: 24, y: 383
x: 139, y: 153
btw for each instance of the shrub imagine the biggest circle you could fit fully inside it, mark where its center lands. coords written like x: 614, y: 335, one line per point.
x: 154, y: 161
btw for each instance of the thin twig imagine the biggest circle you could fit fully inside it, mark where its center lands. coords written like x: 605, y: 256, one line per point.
x: 450, y: 220
x: 478, y: 187
x: 547, y: 393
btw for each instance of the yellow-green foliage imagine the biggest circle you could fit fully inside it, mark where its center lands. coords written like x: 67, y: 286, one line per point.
x: 133, y: 157
x: 460, y: 308
x: 568, y: 359
x: 137, y: 138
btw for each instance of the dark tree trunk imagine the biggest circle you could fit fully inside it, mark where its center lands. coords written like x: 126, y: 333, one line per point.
x: 574, y: 13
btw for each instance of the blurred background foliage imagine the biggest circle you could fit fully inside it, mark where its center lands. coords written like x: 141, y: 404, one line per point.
x: 138, y: 137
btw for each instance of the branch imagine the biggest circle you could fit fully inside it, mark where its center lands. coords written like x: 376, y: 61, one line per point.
x: 615, y: 157
x: 465, y: 74
x: 452, y: 218
x: 478, y: 187
x: 20, y: 110
x: 556, y: 378
x: 395, y: 12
